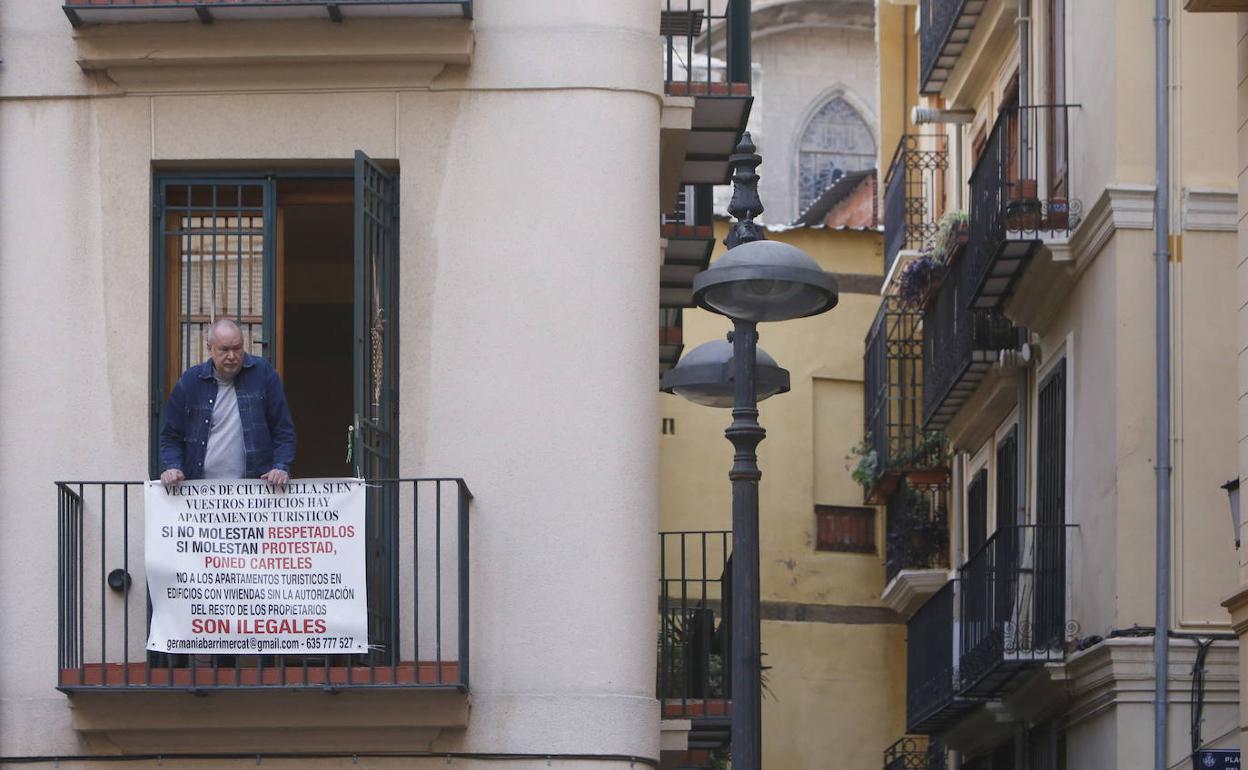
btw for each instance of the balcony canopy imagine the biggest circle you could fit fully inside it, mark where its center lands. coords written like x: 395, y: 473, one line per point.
x: 207, y: 11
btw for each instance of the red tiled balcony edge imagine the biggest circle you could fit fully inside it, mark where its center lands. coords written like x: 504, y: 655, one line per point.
x: 137, y: 675
x: 696, y: 708
x: 702, y: 88
x: 177, y: 3
x: 686, y: 231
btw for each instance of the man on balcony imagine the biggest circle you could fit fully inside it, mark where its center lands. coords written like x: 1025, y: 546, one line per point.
x: 227, y: 418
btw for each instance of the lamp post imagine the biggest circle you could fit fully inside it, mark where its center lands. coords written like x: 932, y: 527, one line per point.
x: 755, y: 281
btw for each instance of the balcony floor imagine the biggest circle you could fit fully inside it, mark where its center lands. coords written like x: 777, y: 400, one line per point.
x: 134, y: 676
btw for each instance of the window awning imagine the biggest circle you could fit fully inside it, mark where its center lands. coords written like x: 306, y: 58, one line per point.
x: 207, y: 11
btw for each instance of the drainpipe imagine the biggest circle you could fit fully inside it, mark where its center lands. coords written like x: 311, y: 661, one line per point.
x: 1024, y: 88
x: 1161, y: 253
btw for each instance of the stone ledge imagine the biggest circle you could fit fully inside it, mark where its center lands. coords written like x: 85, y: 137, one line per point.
x: 259, y: 720
x: 235, y: 56
x: 908, y: 591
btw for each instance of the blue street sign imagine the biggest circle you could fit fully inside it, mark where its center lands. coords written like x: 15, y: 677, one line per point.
x: 1217, y: 759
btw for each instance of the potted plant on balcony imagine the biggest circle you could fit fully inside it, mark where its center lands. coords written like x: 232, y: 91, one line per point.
x: 868, y: 473
x: 1058, y: 214
x: 952, y: 233
x: 924, y: 463
x: 1022, y: 210
x: 921, y: 277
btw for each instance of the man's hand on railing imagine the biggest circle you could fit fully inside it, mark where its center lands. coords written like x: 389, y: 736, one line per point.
x: 172, y: 476
x: 276, y: 476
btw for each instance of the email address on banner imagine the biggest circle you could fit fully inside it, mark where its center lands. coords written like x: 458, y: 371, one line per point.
x: 204, y: 645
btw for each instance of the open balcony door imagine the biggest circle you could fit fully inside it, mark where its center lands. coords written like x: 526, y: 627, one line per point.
x: 376, y: 448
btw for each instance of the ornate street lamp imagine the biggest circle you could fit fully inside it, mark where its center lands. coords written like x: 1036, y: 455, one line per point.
x: 756, y: 280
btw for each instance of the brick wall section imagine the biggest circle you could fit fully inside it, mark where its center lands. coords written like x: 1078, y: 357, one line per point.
x: 859, y: 209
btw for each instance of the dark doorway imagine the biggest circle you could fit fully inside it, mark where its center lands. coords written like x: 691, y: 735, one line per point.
x: 316, y: 296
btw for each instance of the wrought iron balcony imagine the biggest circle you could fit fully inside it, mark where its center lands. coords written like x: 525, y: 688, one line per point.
x: 695, y: 633
x: 690, y: 235
x: 417, y: 578
x: 960, y: 344
x: 932, y: 700
x: 916, y: 752
x: 1019, y: 197
x: 671, y: 336
x: 893, y: 382
x: 1013, y: 607
x: 945, y: 26
x: 912, y: 192
x: 706, y: 56
x: 918, y: 530
x: 82, y: 12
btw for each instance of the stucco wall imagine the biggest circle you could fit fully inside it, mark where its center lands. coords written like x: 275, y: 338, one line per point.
x: 837, y: 688
x: 548, y: 303
x: 800, y: 70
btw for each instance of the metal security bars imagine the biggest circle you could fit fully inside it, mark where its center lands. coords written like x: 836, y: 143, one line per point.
x: 959, y: 345
x: 1051, y: 499
x: 214, y: 243
x: 913, y: 193
x: 916, y: 753
x: 918, y: 531
x: 694, y: 626
x: 932, y: 701
x: 1019, y: 197
x: 693, y: 31
x: 671, y: 336
x: 102, y: 606
x: 1013, y: 606
x: 893, y: 381
x: 945, y: 26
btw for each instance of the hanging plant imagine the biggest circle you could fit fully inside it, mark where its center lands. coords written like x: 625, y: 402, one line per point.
x: 920, y: 277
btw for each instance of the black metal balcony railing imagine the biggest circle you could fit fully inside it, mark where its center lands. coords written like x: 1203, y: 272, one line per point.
x: 959, y: 345
x: 944, y: 28
x: 417, y: 576
x: 912, y: 193
x: 694, y: 628
x: 893, y: 381
x: 916, y: 752
x: 689, y: 232
x: 1013, y: 606
x: 671, y: 336
x: 918, y: 531
x: 932, y: 700
x: 82, y: 12
x: 693, y: 31
x: 1019, y: 196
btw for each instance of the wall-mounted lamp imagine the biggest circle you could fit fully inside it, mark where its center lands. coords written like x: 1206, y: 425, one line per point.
x: 1232, y: 492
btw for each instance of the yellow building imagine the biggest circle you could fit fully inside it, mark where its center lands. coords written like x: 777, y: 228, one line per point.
x: 834, y: 683
x: 1033, y: 361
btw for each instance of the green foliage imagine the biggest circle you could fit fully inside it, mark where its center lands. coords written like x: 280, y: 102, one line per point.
x: 950, y: 223
x: 928, y: 453
x: 865, y: 468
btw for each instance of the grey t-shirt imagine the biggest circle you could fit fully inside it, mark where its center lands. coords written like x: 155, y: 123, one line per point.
x: 225, y: 457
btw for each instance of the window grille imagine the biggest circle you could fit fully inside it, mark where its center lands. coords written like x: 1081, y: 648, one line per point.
x: 836, y: 140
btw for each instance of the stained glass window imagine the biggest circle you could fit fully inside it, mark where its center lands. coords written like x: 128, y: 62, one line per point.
x: 836, y: 141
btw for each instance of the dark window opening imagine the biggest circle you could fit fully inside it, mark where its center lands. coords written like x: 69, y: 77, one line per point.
x: 845, y: 528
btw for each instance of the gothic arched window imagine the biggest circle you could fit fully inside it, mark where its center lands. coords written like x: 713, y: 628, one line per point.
x: 836, y: 140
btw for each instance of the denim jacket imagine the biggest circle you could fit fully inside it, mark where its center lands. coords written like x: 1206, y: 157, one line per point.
x: 268, y: 432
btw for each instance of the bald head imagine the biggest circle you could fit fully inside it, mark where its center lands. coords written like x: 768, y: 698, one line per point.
x: 225, y: 345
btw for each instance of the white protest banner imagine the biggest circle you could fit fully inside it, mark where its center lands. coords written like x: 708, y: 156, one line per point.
x: 239, y: 566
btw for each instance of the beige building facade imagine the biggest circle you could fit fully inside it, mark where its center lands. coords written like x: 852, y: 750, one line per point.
x: 1033, y: 311
x: 465, y: 182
